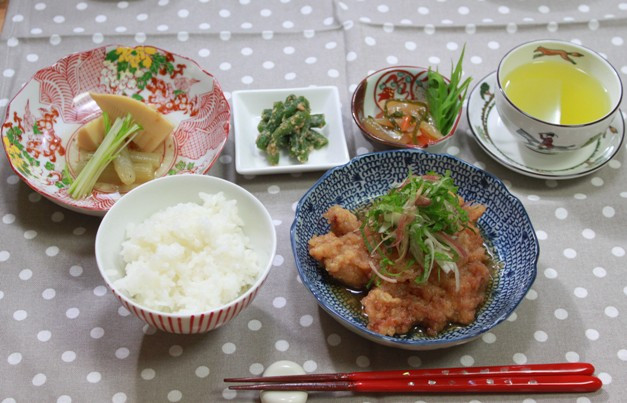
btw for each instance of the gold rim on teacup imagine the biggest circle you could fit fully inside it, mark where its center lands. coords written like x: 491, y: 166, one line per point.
x: 544, y: 136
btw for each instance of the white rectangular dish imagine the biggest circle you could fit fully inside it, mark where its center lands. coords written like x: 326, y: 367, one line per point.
x: 247, y: 107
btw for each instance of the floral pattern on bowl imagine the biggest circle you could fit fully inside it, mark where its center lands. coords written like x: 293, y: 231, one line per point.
x: 42, y: 119
x: 398, y: 83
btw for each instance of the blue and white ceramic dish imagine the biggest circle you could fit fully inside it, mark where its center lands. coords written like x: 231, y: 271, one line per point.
x: 505, y: 226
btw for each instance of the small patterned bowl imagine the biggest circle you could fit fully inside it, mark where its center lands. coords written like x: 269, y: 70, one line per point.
x: 42, y: 120
x: 398, y: 82
x: 145, y: 200
x: 505, y: 226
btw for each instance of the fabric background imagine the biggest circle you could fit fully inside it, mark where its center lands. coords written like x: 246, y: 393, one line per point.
x: 64, y: 337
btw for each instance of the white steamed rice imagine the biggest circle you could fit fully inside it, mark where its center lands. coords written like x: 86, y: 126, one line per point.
x: 188, y: 258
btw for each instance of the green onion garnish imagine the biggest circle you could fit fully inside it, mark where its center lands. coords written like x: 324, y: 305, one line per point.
x: 446, y: 99
x: 116, y: 138
x: 416, y: 222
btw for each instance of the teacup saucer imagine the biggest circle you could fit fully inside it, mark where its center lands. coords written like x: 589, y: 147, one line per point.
x: 505, y: 148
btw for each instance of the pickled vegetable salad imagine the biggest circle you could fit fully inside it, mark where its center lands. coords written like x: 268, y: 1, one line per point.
x: 415, y: 223
x: 406, y: 122
x: 420, y: 123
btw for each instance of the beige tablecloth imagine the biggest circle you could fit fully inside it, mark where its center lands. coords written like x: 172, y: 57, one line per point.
x: 64, y: 337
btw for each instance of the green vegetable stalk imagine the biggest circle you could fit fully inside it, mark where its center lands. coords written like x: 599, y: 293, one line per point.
x: 446, y: 99
x: 416, y: 222
x: 116, y: 138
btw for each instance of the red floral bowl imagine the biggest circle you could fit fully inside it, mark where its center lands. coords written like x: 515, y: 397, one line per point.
x: 42, y: 120
x: 398, y: 82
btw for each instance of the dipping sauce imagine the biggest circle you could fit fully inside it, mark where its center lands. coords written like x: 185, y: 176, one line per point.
x: 557, y: 92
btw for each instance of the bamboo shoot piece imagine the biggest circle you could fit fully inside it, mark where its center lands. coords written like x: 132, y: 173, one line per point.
x: 155, y: 127
x: 90, y: 135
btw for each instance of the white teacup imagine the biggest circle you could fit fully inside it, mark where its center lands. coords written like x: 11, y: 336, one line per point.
x: 542, y: 135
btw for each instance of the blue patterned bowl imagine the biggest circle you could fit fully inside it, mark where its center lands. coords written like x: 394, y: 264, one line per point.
x: 505, y: 226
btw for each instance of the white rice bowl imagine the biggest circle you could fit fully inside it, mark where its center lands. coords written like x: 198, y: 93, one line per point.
x: 188, y: 258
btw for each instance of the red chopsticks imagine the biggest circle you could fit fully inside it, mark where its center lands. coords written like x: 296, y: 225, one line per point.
x: 533, y: 378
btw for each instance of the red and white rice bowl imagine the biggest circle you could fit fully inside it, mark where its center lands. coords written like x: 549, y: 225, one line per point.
x: 157, y: 195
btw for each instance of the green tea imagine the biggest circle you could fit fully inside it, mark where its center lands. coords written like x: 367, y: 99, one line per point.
x: 557, y: 92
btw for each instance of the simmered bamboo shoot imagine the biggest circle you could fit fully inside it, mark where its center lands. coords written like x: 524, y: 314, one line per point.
x: 155, y: 127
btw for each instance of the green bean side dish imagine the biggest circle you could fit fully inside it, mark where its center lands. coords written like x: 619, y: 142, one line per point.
x: 290, y: 125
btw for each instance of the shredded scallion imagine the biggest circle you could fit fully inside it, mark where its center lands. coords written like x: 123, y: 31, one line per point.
x: 416, y: 222
x: 446, y: 98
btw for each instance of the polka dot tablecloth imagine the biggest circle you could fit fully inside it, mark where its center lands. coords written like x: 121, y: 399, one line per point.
x: 65, y: 338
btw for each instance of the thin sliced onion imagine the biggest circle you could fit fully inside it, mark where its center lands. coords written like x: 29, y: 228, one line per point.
x: 429, y: 243
x: 431, y: 178
x: 457, y: 280
x: 447, y: 267
x: 453, y: 244
x: 422, y: 201
x: 381, y: 276
x: 399, y: 232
